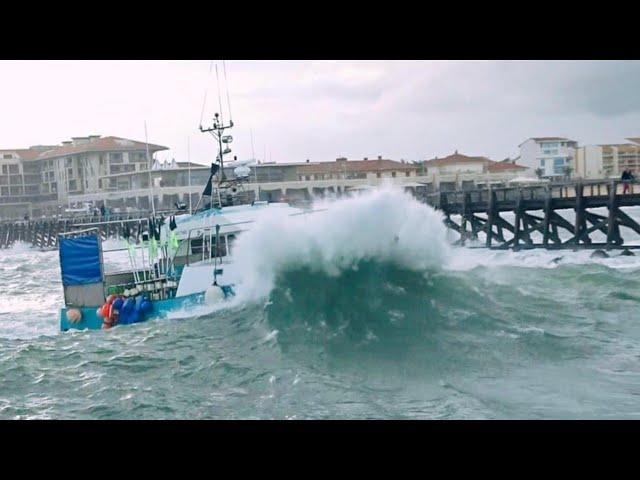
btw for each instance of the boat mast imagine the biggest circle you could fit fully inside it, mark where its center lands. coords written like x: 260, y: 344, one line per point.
x: 217, y: 132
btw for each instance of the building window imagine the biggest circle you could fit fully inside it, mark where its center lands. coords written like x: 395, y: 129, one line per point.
x: 14, y: 169
x: 5, y: 169
x: 115, y: 157
x: 7, y: 156
x: 393, y: 174
x: 378, y: 174
x: 68, y: 162
x: 542, y: 162
x: 407, y: 174
x: 72, y: 185
x: 70, y: 172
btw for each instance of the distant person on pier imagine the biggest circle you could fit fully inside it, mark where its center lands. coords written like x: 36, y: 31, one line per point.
x: 103, y: 210
x: 627, y: 177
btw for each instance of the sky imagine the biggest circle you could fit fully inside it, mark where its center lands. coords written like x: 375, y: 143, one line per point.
x: 321, y: 110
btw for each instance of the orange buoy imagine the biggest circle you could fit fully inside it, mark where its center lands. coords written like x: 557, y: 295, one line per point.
x: 74, y: 315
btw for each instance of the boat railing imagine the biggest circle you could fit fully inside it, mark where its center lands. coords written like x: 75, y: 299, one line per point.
x: 78, y: 233
x: 205, y: 234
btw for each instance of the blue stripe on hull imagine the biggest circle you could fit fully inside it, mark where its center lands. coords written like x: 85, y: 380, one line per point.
x: 161, y: 308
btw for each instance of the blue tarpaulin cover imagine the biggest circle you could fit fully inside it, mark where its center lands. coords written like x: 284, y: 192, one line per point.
x: 80, y: 260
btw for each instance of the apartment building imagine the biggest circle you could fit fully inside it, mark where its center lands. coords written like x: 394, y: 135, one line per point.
x: 551, y: 156
x: 608, y: 160
x: 40, y: 178
x: 20, y: 181
x: 355, y: 169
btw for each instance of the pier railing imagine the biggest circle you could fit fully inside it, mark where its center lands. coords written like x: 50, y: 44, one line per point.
x: 479, y: 211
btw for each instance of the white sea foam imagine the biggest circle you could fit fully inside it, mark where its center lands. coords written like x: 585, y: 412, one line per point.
x: 386, y: 224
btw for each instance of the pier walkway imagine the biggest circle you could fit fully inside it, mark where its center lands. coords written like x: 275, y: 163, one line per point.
x: 535, y: 209
x: 43, y: 233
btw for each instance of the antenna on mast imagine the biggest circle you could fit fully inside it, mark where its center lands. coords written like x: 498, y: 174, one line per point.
x: 219, y: 98
x: 189, y: 170
x: 204, y: 102
x: 224, y: 141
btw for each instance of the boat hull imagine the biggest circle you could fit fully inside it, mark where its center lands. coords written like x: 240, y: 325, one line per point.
x: 91, y: 321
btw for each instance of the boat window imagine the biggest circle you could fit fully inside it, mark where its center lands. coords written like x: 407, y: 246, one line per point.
x: 222, y: 250
x: 230, y: 241
x: 196, y: 246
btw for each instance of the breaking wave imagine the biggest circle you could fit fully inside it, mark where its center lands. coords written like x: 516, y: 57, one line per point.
x: 385, y: 226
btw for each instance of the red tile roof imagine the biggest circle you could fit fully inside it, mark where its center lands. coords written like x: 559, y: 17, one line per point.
x: 23, y: 153
x: 106, y: 144
x: 455, y: 158
x: 377, y: 165
x: 504, y: 166
x: 489, y: 165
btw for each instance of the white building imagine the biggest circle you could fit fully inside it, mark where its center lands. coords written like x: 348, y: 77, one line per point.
x: 602, y: 161
x: 589, y: 162
x: 550, y: 154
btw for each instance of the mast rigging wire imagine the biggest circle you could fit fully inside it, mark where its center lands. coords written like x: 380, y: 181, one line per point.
x: 224, y: 68
x: 204, y: 102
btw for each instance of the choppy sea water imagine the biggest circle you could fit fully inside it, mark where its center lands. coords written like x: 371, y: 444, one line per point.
x: 356, y: 324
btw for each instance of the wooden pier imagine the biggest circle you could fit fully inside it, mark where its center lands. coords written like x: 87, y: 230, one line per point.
x: 43, y: 233
x: 535, y: 209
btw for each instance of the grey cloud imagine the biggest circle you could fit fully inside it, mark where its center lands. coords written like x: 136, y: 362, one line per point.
x: 320, y: 110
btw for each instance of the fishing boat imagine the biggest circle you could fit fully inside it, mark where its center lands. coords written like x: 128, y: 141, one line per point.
x: 179, y: 263
x: 95, y: 299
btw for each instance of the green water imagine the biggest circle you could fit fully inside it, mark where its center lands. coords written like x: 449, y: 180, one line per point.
x: 490, y: 336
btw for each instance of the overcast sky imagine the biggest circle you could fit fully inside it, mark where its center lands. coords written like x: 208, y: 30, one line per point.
x: 321, y: 110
